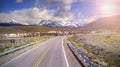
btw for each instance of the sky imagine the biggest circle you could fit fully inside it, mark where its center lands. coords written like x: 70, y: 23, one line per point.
x: 62, y: 11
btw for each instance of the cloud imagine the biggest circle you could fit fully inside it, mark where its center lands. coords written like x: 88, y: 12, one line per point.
x: 33, y: 16
x: 62, y: 14
x: 100, y: 1
x: 63, y: 6
x: 19, y: 1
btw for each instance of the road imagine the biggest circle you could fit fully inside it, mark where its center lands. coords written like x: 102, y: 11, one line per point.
x: 48, y: 54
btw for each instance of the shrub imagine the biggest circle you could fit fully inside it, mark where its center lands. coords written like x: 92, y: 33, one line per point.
x: 1, y: 49
x: 8, y: 47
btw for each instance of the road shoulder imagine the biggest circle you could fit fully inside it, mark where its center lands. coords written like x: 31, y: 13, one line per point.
x: 70, y: 57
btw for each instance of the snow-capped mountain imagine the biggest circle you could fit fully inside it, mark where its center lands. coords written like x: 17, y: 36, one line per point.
x: 50, y: 23
x: 47, y: 23
x: 11, y: 23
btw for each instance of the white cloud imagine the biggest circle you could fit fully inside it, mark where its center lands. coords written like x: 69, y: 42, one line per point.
x: 19, y: 1
x: 63, y: 6
x: 100, y: 1
x: 34, y: 16
x: 62, y: 14
x: 31, y: 15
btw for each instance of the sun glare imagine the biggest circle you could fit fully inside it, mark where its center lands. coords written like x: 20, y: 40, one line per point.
x: 107, y: 9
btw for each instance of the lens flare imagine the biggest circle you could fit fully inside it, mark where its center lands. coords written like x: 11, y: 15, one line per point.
x: 108, y: 9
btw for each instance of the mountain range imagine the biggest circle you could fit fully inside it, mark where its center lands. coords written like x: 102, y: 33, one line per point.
x: 47, y: 23
x: 56, y: 24
x: 106, y: 23
x: 11, y: 23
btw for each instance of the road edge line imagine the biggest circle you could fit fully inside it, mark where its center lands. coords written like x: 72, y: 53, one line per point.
x: 17, y: 57
x: 65, y: 54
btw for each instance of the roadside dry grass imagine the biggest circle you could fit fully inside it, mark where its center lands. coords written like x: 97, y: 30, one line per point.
x: 6, y: 44
x: 8, y: 57
x: 101, y: 49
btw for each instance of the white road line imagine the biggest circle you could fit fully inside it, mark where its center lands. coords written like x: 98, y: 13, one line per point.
x: 65, y: 54
x: 22, y: 54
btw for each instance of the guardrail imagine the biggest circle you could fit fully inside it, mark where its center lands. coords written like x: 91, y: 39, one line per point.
x: 79, y: 54
x: 12, y: 50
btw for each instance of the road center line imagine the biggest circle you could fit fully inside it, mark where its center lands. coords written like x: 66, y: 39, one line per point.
x: 65, y: 55
x: 41, y: 58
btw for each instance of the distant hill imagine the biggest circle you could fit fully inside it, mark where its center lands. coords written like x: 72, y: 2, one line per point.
x: 11, y: 24
x: 22, y: 29
x: 106, y: 23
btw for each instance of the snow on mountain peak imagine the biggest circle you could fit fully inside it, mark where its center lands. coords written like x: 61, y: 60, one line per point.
x: 51, y: 23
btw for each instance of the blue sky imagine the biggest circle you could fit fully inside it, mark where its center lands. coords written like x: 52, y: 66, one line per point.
x: 74, y: 11
x: 11, y: 5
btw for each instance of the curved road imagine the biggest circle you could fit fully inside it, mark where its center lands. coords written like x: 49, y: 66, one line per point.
x: 48, y: 54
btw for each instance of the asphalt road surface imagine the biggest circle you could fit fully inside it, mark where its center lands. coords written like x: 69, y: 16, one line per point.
x: 48, y: 54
